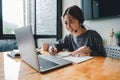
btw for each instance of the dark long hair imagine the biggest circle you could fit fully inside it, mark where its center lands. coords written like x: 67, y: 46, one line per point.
x: 75, y: 12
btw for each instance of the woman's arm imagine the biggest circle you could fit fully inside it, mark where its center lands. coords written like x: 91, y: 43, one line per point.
x: 82, y: 51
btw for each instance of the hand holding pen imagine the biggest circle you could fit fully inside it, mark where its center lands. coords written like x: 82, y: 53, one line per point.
x: 52, y: 50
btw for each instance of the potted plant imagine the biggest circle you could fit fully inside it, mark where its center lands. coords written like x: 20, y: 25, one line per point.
x: 117, y: 36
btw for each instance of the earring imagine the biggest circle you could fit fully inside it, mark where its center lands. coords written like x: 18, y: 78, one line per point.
x: 80, y: 24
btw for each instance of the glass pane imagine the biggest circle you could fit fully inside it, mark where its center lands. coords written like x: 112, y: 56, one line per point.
x: 46, y: 17
x: 30, y: 13
x: 12, y: 15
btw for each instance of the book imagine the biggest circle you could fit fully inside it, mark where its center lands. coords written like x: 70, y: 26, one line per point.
x: 66, y: 56
x: 62, y: 54
x: 16, y: 51
x: 14, y: 54
x: 78, y: 59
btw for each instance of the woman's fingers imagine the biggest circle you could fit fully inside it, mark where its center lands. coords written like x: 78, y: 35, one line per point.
x: 78, y: 53
x: 52, y: 50
x: 55, y: 50
x: 84, y: 54
x: 74, y: 53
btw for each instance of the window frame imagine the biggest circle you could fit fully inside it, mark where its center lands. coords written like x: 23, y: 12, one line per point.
x: 1, y: 29
x: 59, y: 25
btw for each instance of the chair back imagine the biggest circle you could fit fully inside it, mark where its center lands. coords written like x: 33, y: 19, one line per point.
x: 112, y: 51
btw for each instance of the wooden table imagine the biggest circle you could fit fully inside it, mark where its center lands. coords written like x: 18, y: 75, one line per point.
x: 98, y: 68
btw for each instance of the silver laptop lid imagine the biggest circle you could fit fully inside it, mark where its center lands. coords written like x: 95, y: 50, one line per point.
x: 26, y: 45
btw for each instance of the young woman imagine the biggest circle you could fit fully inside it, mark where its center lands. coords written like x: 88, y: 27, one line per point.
x: 80, y: 40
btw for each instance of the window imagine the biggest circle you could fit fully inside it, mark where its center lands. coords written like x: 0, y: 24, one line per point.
x: 12, y: 12
x: 42, y: 15
x: 46, y: 17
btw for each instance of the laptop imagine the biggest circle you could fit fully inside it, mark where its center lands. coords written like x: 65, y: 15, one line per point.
x: 28, y: 53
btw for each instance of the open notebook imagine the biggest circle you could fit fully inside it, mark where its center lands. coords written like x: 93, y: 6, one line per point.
x: 65, y: 55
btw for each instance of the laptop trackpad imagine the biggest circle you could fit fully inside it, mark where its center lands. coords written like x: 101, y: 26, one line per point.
x: 45, y: 64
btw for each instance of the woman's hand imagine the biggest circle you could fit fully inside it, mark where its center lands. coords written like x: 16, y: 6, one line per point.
x: 53, y: 50
x: 82, y: 51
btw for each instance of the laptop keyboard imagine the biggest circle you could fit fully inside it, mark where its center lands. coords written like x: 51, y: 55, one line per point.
x: 45, y: 64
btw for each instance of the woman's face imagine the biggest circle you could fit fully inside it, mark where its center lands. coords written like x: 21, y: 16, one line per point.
x: 71, y: 23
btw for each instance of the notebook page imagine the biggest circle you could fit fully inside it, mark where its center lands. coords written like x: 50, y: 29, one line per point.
x: 78, y: 59
x: 62, y: 54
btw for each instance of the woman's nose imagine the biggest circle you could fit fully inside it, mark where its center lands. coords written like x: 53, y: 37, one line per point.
x: 69, y: 25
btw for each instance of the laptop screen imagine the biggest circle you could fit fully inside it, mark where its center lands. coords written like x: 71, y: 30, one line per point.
x: 26, y: 45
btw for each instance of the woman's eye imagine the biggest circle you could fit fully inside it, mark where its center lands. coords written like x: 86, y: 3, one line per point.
x: 71, y: 22
x: 65, y: 22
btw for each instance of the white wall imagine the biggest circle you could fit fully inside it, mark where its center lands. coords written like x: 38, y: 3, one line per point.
x: 103, y: 26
